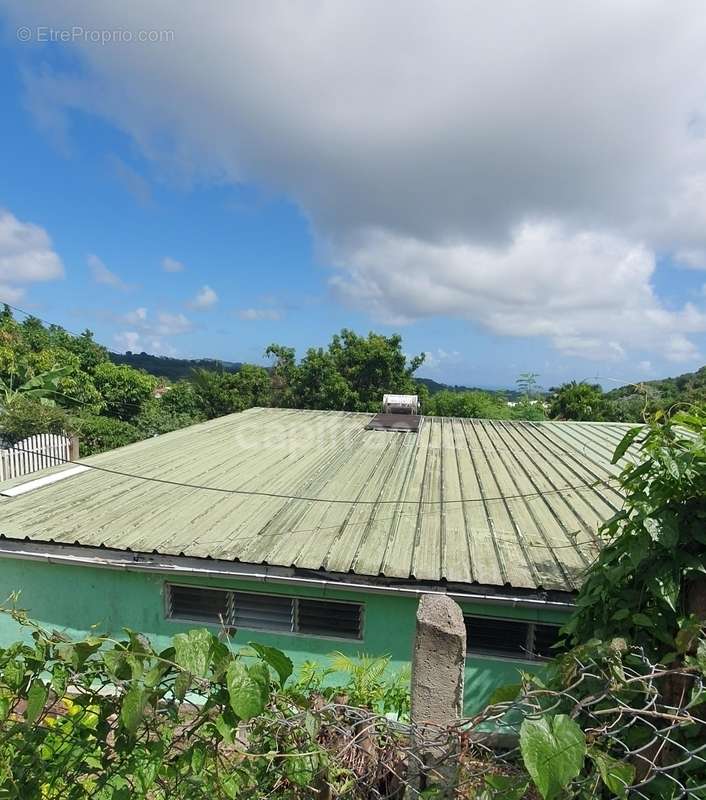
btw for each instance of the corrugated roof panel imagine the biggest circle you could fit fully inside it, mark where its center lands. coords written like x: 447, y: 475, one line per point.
x: 331, y: 495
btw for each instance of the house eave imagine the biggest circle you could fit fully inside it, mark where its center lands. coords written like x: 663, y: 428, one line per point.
x: 79, y: 555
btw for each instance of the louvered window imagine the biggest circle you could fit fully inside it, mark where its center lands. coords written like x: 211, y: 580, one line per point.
x: 267, y: 612
x: 326, y: 618
x: 509, y: 638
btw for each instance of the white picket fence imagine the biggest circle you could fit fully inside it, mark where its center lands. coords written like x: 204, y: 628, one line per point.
x: 34, y: 453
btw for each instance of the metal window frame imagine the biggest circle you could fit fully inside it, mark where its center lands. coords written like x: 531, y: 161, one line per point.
x: 230, y: 603
x: 531, y: 656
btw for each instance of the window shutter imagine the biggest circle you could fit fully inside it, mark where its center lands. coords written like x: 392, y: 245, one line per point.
x: 265, y: 611
x: 198, y: 604
x: 327, y: 618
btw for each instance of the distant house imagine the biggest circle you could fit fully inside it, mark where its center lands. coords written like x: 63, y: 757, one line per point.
x: 317, y: 533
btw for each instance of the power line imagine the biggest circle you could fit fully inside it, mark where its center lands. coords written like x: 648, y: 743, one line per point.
x: 310, y: 499
x: 56, y: 325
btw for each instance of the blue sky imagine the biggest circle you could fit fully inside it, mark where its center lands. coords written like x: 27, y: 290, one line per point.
x: 299, y: 194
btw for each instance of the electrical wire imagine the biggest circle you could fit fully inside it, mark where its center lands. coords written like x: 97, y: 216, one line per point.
x: 310, y: 499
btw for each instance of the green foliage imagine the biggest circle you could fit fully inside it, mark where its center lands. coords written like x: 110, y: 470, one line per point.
x: 656, y: 544
x: 368, y: 683
x: 553, y: 749
x: 123, y: 389
x: 580, y: 402
x: 103, y: 433
x: 109, y: 718
x: 25, y: 416
x: 477, y: 404
x: 353, y: 374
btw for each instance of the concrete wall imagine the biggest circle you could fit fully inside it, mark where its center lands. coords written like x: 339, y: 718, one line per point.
x: 77, y: 599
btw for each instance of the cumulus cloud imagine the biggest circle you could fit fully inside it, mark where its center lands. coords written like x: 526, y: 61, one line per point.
x: 513, y: 164
x: 204, y: 298
x: 163, y: 324
x: 589, y: 293
x: 253, y: 314
x: 172, y: 265
x: 26, y: 256
x: 101, y: 274
x: 138, y: 342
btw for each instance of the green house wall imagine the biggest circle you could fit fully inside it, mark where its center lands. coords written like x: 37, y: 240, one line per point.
x: 78, y: 599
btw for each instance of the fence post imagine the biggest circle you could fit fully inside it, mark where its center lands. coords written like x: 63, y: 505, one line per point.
x: 73, y: 448
x: 438, y: 666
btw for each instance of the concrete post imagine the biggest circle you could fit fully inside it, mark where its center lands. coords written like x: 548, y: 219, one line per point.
x: 438, y: 666
x: 73, y: 456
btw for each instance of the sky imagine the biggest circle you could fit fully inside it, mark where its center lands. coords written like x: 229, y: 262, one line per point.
x: 512, y: 187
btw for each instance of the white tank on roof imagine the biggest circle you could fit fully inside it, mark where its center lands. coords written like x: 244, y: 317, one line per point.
x: 400, y: 404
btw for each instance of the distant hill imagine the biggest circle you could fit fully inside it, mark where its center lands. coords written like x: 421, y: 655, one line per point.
x: 687, y: 387
x: 435, y: 387
x: 177, y: 368
x: 172, y: 368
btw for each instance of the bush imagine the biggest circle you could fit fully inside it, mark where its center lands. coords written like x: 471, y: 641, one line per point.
x: 24, y: 417
x: 97, y: 434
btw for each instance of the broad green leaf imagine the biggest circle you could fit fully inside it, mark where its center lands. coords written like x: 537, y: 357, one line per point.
x: 4, y: 708
x: 626, y: 441
x: 224, y: 728
x: 133, y: 707
x: 279, y: 662
x: 245, y: 691
x: 198, y: 758
x: 553, y: 750
x: 192, y: 651
x: 13, y: 675
x: 36, y: 698
x: 642, y: 620
x: 616, y: 775
x: 505, y: 694
x: 147, y: 772
x: 59, y: 679
x: 182, y: 684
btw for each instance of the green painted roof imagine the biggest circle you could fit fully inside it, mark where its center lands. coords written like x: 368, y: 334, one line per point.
x: 375, y: 503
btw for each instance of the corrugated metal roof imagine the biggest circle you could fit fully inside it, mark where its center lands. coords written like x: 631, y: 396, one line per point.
x: 375, y: 503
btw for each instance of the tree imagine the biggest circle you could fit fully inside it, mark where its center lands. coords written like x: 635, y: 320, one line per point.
x: 43, y: 387
x: 479, y: 405
x: 25, y: 416
x: 352, y: 374
x: 527, y: 384
x: 580, y: 402
x: 373, y: 365
x: 319, y: 384
x: 253, y: 385
x: 283, y: 373
x: 123, y: 389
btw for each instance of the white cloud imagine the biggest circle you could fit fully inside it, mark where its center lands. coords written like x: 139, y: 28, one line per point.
x: 101, y: 274
x: 11, y: 294
x: 26, y: 256
x: 438, y: 358
x: 498, y: 162
x: 253, y: 314
x: 171, y: 324
x: 128, y: 340
x: 204, y: 298
x: 164, y: 324
x: 589, y: 292
x: 137, y: 342
x: 172, y: 265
